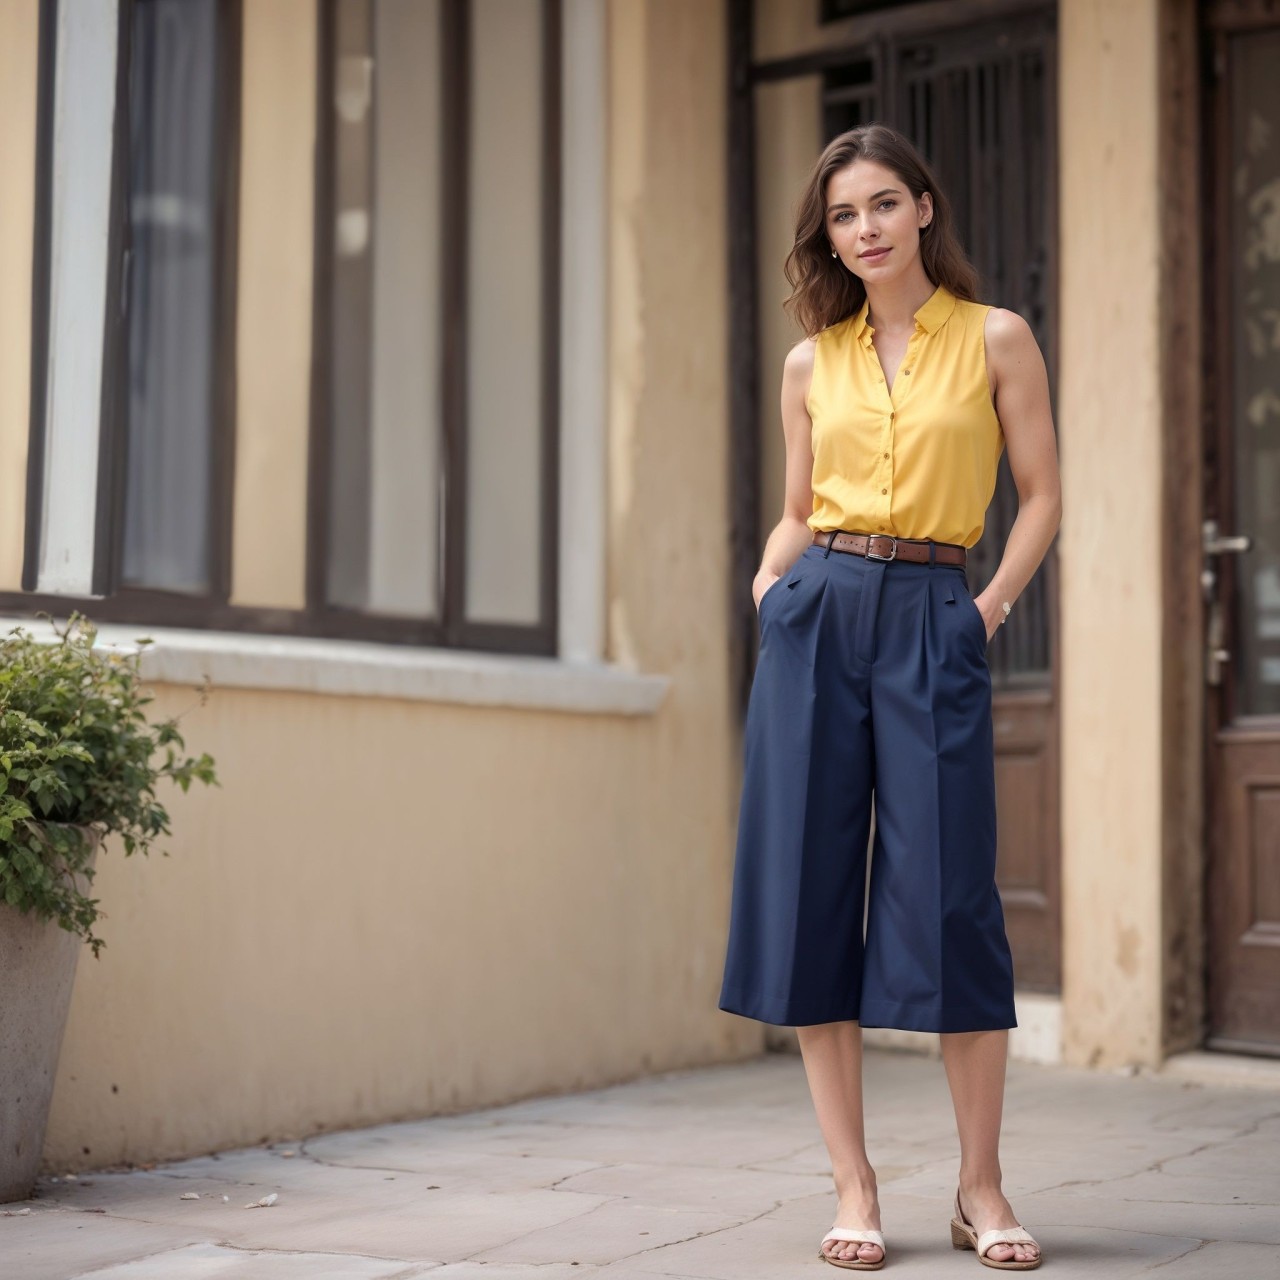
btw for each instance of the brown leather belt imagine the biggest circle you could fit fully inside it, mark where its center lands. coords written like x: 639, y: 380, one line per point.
x: 884, y: 546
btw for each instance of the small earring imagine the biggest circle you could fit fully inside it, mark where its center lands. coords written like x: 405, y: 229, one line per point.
x: 834, y: 254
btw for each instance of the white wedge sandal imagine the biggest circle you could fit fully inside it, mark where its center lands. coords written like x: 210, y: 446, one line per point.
x: 965, y: 1236
x: 852, y: 1234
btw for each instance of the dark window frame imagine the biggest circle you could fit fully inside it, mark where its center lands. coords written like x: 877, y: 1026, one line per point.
x: 214, y: 612
x: 451, y: 629
x: 843, y: 10
x: 112, y: 602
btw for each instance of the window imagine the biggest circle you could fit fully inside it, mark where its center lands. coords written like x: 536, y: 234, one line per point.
x: 433, y: 503
x: 128, y: 485
x: 173, y: 362
x: 451, y: 441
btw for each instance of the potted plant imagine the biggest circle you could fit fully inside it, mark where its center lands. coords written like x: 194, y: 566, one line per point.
x: 79, y: 763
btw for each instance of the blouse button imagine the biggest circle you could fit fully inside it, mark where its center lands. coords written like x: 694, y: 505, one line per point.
x: 884, y: 490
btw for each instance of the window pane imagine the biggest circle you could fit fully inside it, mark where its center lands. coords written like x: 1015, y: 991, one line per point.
x: 171, y: 295
x: 349, y: 370
x: 384, y: 502
x: 405, y: 507
x: 505, y: 313
x: 1255, y: 302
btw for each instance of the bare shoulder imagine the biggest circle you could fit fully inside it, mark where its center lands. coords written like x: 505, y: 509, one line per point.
x: 1009, y: 339
x: 799, y: 361
x: 797, y: 370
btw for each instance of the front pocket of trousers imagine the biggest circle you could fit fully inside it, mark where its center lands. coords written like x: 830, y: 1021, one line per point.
x: 768, y: 591
x: 977, y: 614
x: 796, y: 574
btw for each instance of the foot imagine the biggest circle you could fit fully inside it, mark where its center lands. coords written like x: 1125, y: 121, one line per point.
x: 859, y: 1210
x: 985, y: 1209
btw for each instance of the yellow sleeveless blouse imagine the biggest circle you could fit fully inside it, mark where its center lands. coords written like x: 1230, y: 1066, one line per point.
x: 917, y: 462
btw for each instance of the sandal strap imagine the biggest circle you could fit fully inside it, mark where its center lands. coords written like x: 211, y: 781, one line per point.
x: 850, y: 1234
x: 1004, y: 1235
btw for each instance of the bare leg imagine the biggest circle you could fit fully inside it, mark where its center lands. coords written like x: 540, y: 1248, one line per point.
x: 832, y: 1054
x: 975, y: 1064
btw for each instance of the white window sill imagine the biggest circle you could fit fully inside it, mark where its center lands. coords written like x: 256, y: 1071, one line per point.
x: 357, y: 668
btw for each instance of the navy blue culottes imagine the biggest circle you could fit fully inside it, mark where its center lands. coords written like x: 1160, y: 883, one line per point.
x: 872, y: 681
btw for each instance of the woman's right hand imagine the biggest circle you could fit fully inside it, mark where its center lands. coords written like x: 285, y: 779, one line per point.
x: 764, y: 579
x: 792, y: 535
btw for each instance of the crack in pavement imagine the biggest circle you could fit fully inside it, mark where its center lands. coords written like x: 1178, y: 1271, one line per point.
x: 653, y: 1248
x: 698, y: 1235
x: 324, y: 1253
x: 1157, y: 1165
x: 577, y: 1217
x: 1155, y: 1266
x: 1246, y: 1132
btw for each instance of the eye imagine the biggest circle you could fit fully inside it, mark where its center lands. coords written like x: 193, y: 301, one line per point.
x: 889, y: 202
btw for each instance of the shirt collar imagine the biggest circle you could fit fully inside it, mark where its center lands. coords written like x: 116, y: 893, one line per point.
x: 931, y: 315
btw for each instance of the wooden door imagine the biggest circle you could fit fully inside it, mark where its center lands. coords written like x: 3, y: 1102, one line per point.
x: 1242, y: 532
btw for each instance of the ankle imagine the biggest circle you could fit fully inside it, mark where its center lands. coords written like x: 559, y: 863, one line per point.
x: 858, y: 1180
x: 981, y: 1181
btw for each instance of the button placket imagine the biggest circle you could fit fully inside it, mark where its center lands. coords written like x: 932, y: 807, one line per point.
x: 891, y: 399
x: 884, y: 465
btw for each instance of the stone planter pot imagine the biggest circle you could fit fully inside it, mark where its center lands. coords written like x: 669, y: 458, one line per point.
x: 37, y: 968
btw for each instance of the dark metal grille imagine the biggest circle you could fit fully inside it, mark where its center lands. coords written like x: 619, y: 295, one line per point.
x: 978, y: 103
x: 834, y: 10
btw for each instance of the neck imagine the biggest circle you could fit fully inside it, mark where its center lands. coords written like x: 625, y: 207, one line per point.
x: 892, y: 306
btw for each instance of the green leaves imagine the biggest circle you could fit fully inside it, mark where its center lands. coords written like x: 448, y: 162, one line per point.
x: 78, y: 756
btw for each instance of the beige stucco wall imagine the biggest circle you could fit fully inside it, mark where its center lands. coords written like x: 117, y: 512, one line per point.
x: 19, y: 28
x: 1110, y: 422
x: 394, y: 908
x: 273, y: 311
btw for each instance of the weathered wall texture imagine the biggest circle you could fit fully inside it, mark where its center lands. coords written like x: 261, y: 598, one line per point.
x: 1110, y: 423
x: 273, y: 312
x: 395, y: 908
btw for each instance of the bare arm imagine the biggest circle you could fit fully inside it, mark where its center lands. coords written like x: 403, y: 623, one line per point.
x: 1022, y: 404
x: 792, y: 534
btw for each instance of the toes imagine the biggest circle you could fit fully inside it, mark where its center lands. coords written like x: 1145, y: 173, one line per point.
x: 851, y: 1251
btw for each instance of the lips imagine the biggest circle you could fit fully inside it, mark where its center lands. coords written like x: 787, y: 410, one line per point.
x: 873, y: 255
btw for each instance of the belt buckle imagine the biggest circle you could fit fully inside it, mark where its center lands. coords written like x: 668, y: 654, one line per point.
x: 871, y: 555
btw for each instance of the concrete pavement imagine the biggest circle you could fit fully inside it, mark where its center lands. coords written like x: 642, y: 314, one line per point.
x: 717, y: 1173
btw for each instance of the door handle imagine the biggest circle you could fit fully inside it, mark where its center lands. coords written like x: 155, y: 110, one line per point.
x: 1216, y: 543
x: 1213, y: 544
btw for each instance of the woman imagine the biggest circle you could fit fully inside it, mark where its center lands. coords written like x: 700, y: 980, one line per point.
x: 872, y: 678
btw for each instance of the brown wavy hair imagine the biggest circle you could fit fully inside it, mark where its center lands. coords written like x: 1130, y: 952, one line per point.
x: 823, y: 289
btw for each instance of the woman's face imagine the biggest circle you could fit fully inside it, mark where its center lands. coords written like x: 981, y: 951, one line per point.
x: 872, y: 221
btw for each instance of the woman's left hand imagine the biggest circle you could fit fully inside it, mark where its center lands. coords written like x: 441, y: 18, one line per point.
x: 992, y: 614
